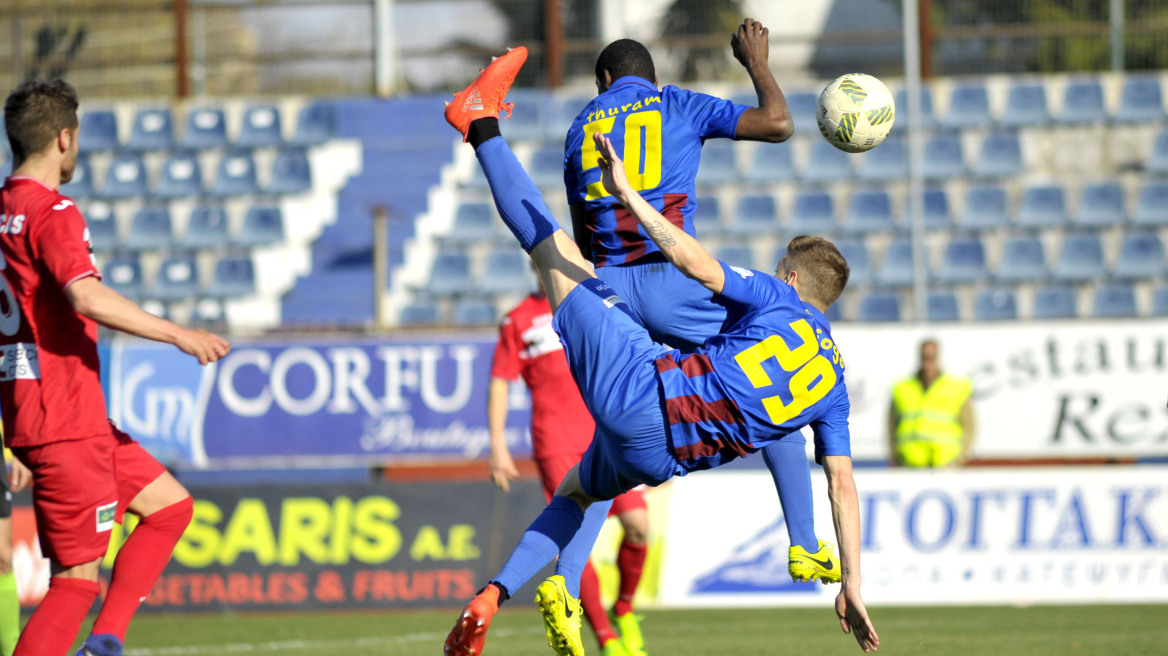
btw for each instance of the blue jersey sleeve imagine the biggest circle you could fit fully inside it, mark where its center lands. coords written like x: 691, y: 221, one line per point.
x: 832, y: 437
x: 572, y: 154
x: 711, y: 117
x: 747, y: 289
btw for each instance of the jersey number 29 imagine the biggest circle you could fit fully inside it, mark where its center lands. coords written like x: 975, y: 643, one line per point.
x: 814, y: 376
x: 642, y: 165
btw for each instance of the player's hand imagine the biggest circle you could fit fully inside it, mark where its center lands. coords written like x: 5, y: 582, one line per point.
x: 502, y: 469
x: 206, y: 346
x: 751, y: 44
x: 20, y: 478
x: 853, y: 619
x: 612, y: 169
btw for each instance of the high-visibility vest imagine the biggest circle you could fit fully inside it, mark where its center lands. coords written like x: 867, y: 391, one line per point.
x: 934, y: 414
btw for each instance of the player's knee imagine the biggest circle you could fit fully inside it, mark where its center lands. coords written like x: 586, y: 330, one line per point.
x: 636, y: 526
x: 175, y: 517
x: 5, y: 559
x: 85, y: 571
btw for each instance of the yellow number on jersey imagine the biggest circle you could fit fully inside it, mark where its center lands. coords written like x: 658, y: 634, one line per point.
x: 642, y: 168
x: 814, y: 376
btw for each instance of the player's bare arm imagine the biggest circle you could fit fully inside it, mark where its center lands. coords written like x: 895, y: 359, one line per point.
x: 682, y: 250
x: 845, y: 513
x: 500, y: 466
x: 771, y: 120
x: 109, y: 308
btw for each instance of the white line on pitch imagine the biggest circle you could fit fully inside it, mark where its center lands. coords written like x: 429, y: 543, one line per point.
x: 281, y: 645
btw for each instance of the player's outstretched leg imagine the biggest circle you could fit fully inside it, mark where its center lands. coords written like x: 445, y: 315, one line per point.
x: 561, y: 616
x: 806, y: 559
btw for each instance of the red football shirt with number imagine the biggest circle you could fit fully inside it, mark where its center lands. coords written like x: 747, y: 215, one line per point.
x: 529, y: 347
x: 50, y: 383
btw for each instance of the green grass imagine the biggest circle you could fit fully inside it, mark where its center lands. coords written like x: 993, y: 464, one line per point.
x: 964, y: 631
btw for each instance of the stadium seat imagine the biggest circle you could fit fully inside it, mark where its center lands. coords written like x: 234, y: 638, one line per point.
x: 881, y: 307
x: 964, y: 261
x: 103, y: 226
x: 1140, y: 256
x: 739, y: 256
x: 969, y: 107
x: 1158, y: 161
x: 178, y: 278
x: 1101, y: 206
x: 755, y: 215
x: 886, y: 163
x: 150, y: 229
x: 99, y: 131
x: 1152, y: 206
x: 719, y: 163
x: 1114, y: 301
x: 995, y: 305
x: 868, y: 212
x: 1042, y: 207
x: 418, y: 313
x: 527, y: 117
x: 181, y: 176
x: 903, y: 112
x: 707, y: 219
x: 206, y: 228
x: 1141, y: 100
x: 1081, y: 259
x: 261, y: 127
x: 896, y: 270
x: 262, y: 226
x: 125, y: 178
x: 206, y: 128
x: 473, y: 223
x: 985, y: 209
x: 473, y: 312
x: 942, y: 306
x: 208, y: 312
x: 124, y: 276
x: 547, y: 167
x: 1001, y: 156
x: 827, y: 163
x: 943, y: 157
x: 812, y: 214
x: 937, y: 215
x: 236, y: 175
x: 802, y: 107
x: 153, y: 130
x: 234, y: 277
x: 1025, y: 107
x: 290, y: 173
x: 855, y: 252
x: 5, y: 166
x: 1082, y: 103
x: 1023, y: 260
x: 450, y: 274
x: 316, y: 124
x: 1055, y: 303
x: 1160, y: 302
x: 508, y: 271
x: 562, y: 113
x: 81, y: 185
x: 772, y: 163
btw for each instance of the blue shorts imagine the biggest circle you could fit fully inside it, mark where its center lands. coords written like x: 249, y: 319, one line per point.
x: 614, y: 363
x: 686, y: 320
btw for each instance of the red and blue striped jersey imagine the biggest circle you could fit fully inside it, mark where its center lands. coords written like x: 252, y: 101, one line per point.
x: 661, y: 135
x: 773, y: 369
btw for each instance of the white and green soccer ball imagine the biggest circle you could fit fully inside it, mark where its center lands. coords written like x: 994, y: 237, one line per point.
x: 855, y: 112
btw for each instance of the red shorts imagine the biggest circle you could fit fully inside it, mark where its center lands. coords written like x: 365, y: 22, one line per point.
x: 553, y: 469
x: 80, y: 488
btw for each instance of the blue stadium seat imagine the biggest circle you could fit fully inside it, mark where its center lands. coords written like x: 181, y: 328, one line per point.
x: 150, y: 229
x: 827, y: 163
x: 124, y: 276
x: 859, y: 261
x: 887, y: 162
x: 290, y: 173
x: 125, y: 178
x: 942, y: 306
x: 812, y: 214
x: 1158, y: 162
x: 206, y: 128
x: 1082, y: 103
x: 178, y: 278
x: 102, y: 224
x: 868, y: 212
x: 880, y: 307
x: 1113, y: 301
x: 1026, y: 107
x: 969, y: 107
x: 81, y: 185
x: 547, y: 167
x: 1160, y: 302
x: 943, y: 158
x: 418, y: 313
x: 450, y: 274
x: 99, y: 131
x: 985, y: 209
x: 473, y: 312
x: 262, y: 226
x: 1152, y: 206
x: 208, y: 312
x: 5, y: 165
x: 234, y: 277
x: 206, y: 228
x: 1140, y: 256
x: 473, y: 223
x: 527, y: 118
x: 739, y: 256
x: 562, y: 113
x: 1043, y: 207
x: 802, y: 106
x: 937, y: 214
x: 1001, y: 156
x: 153, y: 130
x: 508, y: 271
x: 261, y: 127
x: 719, y: 163
x: 1023, y: 260
x: 316, y: 124
x: 181, y: 176
x: 896, y: 270
x: 772, y: 163
x: 903, y: 112
x: 236, y: 175
x: 707, y: 217
x: 1081, y: 259
x: 995, y: 305
x: 1141, y: 100
x: 755, y: 215
x: 1101, y: 206
x: 964, y: 261
x: 1055, y: 303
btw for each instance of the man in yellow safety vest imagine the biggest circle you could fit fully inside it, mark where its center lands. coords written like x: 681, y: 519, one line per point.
x: 930, y: 421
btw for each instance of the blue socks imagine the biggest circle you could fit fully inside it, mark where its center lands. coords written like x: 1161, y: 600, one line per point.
x: 551, y: 531
x: 787, y: 460
x: 574, y: 557
x: 516, y: 196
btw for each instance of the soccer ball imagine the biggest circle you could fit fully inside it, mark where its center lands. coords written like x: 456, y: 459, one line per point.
x: 855, y: 112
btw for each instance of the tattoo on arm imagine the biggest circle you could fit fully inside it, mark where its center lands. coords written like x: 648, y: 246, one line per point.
x: 660, y: 234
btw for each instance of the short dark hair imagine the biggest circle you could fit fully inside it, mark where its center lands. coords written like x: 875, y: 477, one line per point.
x: 36, y: 112
x: 625, y: 57
x: 823, y: 272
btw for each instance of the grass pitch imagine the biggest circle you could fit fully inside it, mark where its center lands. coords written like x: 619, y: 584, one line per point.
x: 963, y: 631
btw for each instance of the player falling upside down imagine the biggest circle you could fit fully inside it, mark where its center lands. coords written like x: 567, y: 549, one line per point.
x: 660, y: 413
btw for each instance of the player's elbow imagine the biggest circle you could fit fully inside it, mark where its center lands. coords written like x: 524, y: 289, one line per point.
x: 780, y: 129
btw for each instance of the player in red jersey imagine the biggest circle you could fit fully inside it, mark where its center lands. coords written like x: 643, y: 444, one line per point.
x: 86, y: 472
x: 561, y: 430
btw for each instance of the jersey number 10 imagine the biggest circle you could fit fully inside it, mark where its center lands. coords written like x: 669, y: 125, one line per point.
x: 642, y: 156
x: 814, y: 376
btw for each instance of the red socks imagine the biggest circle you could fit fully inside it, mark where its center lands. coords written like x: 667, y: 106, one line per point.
x: 631, y: 562
x: 51, y: 629
x: 139, y: 564
x: 593, y: 609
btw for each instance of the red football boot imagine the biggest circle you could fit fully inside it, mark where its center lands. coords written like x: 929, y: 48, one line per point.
x: 470, y: 632
x: 484, y: 97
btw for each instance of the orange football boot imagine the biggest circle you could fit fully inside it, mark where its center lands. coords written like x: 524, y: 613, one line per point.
x: 484, y: 97
x: 470, y: 632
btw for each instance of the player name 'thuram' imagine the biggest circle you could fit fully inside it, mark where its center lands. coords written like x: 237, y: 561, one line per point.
x: 605, y: 112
